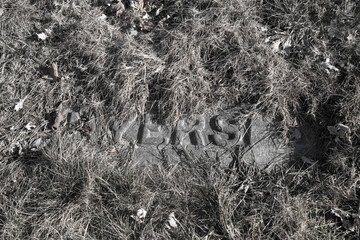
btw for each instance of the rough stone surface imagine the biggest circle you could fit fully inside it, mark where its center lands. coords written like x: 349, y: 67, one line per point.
x: 265, y: 147
x: 220, y: 136
x: 73, y: 117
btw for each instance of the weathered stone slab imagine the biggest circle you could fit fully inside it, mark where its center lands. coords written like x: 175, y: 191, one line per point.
x: 203, y: 136
x: 264, y: 147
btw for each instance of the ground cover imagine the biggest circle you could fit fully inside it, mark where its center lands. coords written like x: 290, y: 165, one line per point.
x: 62, y: 175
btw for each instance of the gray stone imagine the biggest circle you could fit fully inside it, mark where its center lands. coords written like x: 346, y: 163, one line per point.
x: 119, y: 131
x: 73, y: 117
x: 148, y: 155
x: 265, y: 148
x: 204, y: 136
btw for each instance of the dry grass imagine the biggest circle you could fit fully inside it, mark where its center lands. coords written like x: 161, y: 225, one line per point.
x: 206, y: 55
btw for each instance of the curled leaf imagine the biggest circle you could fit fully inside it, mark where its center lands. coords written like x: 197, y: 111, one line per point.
x: 329, y: 66
x: 30, y: 126
x: 39, y: 143
x: 53, y: 73
x: 146, y: 16
x: 172, y: 221
x: 20, y: 104
x: 119, y: 8
x: 159, y: 10
x: 287, y: 43
x: 276, y: 45
x: 59, y: 118
x: 140, y: 215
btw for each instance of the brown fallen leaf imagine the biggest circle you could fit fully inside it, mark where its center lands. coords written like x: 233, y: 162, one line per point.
x: 172, y: 221
x: 59, y: 118
x: 146, y: 25
x: 85, y: 130
x: 55, y: 70
x: 159, y: 10
x: 161, y: 22
x: 54, y: 73
x: 119, y: 8
x: 47, y: 77
x: 139, y: 5
x: 20, y: 104
x: 144, y: 6
x: 113, y: 150
x: 148, y: 5
x: 140, y: 215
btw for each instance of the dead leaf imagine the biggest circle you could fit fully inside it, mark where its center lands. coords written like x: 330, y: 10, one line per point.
x: 39, y: 143
x: 73, y: 117
x: 329, y: 66
x: 139, y: 5
x: 146, y: 16
x: 85, y: 130
x: 30, y: 126
x: 54, y: 73
x: 147, y: 5
x: 161, y: 22
x: 172, y: 221
x: 55, y: 70
x: 276, y: 45
x: 61, y: 115
x: 287, y: 43
x: 158, y: 11
x: 47, y: 77
x: 20, y: 104
x: 113, y: 150
x: 119, y: 8
x: 143, y: 5
x: 140, y: 215
x: 42, y: 36
x: 146, y: 25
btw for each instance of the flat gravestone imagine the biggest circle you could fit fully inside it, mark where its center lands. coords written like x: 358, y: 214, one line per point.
x: 264, y: 148
x: 220, y: 135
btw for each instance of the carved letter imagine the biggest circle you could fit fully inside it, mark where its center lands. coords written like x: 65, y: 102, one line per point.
x: 192, y: 133
x: 226, y: 134
x: 154, y: 134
